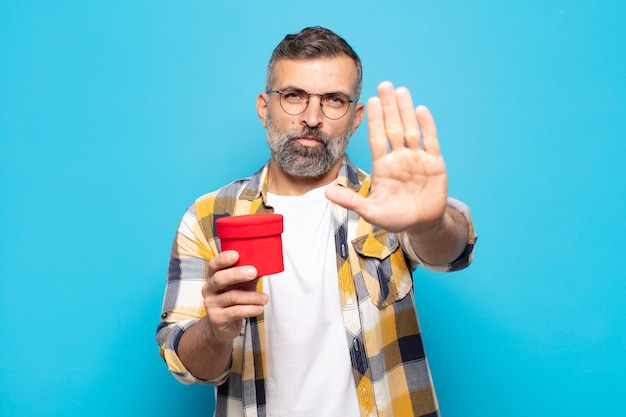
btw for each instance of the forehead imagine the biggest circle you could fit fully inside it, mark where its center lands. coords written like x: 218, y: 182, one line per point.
x: 316, y: 75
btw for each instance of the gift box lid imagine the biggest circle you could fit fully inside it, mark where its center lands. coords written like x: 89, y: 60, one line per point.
x: 249, y: 226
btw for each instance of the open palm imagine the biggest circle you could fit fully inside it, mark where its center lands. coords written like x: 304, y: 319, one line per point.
x: 409, y: 181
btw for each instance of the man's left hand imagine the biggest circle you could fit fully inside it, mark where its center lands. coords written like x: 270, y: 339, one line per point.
x: 409, y: 181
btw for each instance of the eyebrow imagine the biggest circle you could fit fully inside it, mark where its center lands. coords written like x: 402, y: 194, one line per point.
x: 293, y: 87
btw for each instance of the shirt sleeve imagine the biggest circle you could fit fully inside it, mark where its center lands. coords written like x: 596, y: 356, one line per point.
x: 183, y: 304
x: 463, y: 261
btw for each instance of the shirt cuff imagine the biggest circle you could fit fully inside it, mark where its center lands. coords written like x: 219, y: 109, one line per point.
x: 464, y: 259
x: 169, y: 352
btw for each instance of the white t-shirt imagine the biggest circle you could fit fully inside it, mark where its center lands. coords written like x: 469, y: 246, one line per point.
x: 309, y: 372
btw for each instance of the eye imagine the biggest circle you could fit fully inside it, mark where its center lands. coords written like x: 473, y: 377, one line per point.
x: 294, y: 95
x: 336, y: 99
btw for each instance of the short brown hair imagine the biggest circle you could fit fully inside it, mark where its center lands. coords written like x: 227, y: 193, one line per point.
x: 313, y: 42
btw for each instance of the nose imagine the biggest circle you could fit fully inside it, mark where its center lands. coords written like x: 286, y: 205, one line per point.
x: 313, y: 116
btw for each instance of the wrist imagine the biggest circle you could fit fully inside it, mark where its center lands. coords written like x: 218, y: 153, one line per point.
x: 427, y: 231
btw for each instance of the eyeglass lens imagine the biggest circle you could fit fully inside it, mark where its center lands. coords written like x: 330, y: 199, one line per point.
x: 334, y: 105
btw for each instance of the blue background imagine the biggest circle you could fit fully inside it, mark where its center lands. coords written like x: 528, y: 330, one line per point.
x: 115, y: 115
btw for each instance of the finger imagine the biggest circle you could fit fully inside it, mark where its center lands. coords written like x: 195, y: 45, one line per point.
x: 376, y: 128
x: 246, y: 286
x: 226, y: 279
x: 409, y: 120
x: 349, y: 199
x: 223, y: 260
x: 239, y: 297
x: 391, y: 114
x: 234, y: 313
x: 223, y: 275
x: 429, y: 130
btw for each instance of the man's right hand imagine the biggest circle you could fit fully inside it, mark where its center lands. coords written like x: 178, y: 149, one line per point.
x: 230, y: 295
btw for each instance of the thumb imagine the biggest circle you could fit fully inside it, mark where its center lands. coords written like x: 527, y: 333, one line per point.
x: 344, y: 197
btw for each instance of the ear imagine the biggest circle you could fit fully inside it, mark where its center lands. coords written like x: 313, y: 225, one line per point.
x: 358, y: 115
x: 261, y: 108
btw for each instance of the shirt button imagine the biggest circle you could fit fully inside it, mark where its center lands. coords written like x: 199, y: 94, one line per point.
x: 365, y: 393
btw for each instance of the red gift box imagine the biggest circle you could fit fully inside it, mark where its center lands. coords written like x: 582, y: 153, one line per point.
x: 257, y: 238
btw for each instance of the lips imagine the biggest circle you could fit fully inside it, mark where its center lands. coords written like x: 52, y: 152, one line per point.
x: 309, y: 140
x: 309, y: 137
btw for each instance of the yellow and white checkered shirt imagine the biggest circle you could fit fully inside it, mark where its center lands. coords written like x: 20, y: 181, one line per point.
x: 374, y: 271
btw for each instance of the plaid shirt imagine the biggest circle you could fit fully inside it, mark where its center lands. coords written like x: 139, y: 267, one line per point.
x: 376, y: 288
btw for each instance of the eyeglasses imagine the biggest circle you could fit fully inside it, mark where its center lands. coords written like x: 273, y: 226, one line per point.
x: 295, y: 101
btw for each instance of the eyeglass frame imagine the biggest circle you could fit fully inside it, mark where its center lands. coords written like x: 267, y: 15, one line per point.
x: 321, y: 96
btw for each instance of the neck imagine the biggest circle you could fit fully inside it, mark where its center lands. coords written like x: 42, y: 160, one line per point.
x: 281, y: 183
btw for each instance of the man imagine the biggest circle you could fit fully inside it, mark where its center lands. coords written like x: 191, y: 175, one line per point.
x: 335, y: 333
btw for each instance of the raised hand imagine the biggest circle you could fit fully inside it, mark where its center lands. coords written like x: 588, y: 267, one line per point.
x: 409, y: 182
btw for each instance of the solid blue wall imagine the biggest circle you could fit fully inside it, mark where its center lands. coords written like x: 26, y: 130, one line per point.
x: 115, y: 115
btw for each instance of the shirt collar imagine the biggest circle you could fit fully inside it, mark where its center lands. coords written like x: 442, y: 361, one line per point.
x: 349, y: 176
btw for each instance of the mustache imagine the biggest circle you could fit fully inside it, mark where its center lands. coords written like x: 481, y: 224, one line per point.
x: 308, y: 131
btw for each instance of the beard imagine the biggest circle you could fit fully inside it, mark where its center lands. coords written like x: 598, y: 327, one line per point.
x: 306, y: 161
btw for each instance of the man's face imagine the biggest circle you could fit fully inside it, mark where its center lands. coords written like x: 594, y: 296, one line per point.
x: 310, y: 144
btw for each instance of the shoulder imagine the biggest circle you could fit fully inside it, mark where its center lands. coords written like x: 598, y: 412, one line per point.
x: 225, y: 199
x: 353, y: 177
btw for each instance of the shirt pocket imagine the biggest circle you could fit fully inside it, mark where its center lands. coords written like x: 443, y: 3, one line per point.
x: 383, y: 267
